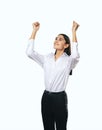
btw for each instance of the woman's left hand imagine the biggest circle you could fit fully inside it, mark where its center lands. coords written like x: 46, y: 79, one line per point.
x: 75, y: 26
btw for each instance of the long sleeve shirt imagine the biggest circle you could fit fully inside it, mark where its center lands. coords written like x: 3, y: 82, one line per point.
x: 56, y: 72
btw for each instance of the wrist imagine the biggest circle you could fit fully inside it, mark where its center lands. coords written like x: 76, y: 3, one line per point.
x: 34, y: 31
x: 73, y: 31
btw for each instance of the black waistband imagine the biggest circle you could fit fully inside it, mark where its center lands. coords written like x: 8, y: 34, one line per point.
x: 48, y: 92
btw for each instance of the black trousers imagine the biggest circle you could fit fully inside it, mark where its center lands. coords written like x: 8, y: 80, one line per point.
x: 54, y: 110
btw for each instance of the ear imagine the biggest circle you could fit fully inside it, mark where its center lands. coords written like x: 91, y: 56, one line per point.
x: 66, y: 46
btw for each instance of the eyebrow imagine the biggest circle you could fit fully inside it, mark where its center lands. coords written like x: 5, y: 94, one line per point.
x: 60, y: 38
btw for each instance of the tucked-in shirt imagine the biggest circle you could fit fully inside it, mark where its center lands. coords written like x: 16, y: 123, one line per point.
x: 56, y: 72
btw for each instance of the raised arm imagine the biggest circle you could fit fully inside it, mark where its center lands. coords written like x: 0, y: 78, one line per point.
x: 74, y: 29
x: 31, y: 53
x: 74, y: 47
x: 36, y: 26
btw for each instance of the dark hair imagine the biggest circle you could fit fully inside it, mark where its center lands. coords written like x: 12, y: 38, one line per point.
x: 68, y: 49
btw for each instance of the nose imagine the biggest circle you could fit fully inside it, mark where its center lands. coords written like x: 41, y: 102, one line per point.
x: 56, y: 41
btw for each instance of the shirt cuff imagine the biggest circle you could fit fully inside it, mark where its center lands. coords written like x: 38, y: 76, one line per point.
x: 75, y: 43
x: 30, y: 40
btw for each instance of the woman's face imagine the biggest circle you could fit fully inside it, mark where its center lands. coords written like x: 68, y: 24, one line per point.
x: 60, y: 43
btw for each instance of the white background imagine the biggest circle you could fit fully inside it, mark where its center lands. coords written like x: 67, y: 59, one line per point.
x: 21, y: 79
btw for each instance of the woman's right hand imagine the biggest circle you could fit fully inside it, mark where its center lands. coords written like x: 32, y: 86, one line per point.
x: 36, y: 26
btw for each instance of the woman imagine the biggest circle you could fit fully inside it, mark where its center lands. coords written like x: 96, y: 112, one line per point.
x: 57, y: 68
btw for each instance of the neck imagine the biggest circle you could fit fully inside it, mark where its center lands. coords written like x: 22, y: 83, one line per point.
x: 58, y: 54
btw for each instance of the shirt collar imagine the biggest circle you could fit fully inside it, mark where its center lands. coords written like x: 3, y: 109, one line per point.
x: 64, y: 54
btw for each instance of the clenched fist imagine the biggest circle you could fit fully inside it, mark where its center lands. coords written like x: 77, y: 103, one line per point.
x: 36, y: 26
x: 75, y: 26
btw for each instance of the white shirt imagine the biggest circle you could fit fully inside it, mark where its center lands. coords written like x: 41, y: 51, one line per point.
x: 56, y: 73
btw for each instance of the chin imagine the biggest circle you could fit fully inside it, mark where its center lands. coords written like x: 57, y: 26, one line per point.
x: 56, y: 47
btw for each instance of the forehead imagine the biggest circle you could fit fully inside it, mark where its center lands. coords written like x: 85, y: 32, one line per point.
x: 60, y: 36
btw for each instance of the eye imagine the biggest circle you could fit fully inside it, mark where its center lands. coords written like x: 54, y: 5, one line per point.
x: 60, y: 39
x: 56, y: 38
